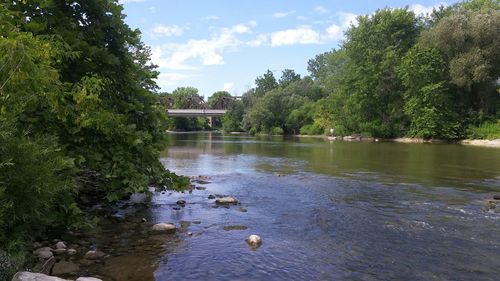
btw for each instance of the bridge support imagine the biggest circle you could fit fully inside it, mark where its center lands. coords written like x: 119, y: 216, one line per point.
x: 210, y: 122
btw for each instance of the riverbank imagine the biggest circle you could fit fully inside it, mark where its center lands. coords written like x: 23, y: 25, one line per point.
x: 472, y: 142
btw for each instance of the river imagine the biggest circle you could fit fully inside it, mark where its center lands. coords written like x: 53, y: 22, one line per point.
x: 332, y: 210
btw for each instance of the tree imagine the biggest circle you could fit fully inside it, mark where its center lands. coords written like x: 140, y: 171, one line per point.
x: 220, y: 100
x: 265, y: 83
x: 288, y: 77
x: 428, y: 101
x: 373, y: 90
x: 469, y: 41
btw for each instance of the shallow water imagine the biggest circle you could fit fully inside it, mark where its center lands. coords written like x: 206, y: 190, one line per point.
x: 332, y: 210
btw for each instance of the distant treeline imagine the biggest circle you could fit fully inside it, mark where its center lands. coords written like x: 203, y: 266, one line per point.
x: 395, y: 74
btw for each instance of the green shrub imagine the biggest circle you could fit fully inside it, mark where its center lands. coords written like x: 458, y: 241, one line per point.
x: 487, y: 130
x: 276, y: 131
x: 35, y: 185
x: 311, y: 129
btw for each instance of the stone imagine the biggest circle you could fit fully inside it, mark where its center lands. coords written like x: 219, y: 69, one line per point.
x: 164, y: 227
x: 185, y: 224
x: 211, y: 196
x: 181, y: 202
x: 226, y: 200
x: 176, y: 208
x: 60, y: 251
x: 71, y: 252
x: 144, y: 220
x: 37, y: 245
x: 64, y: 267
x: 496, y: 197
x: 200, y: 188
x: 243, y: 210
x: 235, y: 227
x: 30, y: 276
x: 61, y: 245
x: 94, y: 255
x: 44, y: 253
x: 254, y: 241
x: 88, y: 279
x: 47, y: 265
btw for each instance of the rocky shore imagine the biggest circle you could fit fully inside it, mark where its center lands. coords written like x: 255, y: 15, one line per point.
x: 125, y: 243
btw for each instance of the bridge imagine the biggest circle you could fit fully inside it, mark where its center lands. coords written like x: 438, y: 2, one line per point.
x: 210, y: 113
x: 196, y: 112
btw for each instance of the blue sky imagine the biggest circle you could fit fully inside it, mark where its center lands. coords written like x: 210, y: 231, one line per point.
x: 225, y: 44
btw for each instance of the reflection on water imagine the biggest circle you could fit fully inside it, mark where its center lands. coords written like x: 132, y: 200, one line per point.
x: 332, y: 211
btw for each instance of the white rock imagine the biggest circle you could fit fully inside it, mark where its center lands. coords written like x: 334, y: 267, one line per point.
x: 29, y: 276
x: 254, y: 241
x: 71, y: 252
x: 163, y: 227
x: 88, y: 279
x: 60, y: 245
x: 226, y: 200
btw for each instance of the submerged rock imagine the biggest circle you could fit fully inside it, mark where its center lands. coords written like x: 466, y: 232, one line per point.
x: 164, y: 227
x: 235, y: 227
x: 64, y: 267
x: 226, y: 200
x: 254, y: 241
x: 211, y: 196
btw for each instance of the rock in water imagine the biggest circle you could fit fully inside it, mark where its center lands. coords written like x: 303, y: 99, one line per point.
x: 64, y: 267
x: 226, y: 200
x: 496, y: 197
x: 94, y: 255
x: 164, y: 227
x: 29, y: 276
x: 254, y: 241
x: 181, y: 202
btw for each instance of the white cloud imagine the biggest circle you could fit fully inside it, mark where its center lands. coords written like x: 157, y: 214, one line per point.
x: 420, y: 9
x: 279, y: 15
x: 171, y: 78
x: 167, y: 30
x: 336, y: 30
x: 260, y: 40
x: 206, y: 51
x: 152, y: 9
x: 212, y: 17
x: 321, y: 10
x: 301, y: 35
x: 228, y: 86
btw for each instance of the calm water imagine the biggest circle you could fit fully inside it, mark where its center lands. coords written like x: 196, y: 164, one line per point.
x: 332, y: 211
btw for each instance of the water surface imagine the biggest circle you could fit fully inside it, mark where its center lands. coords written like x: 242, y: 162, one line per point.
x: 332, y: 210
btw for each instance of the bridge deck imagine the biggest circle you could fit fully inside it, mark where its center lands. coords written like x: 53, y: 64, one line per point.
x: 196, y: 112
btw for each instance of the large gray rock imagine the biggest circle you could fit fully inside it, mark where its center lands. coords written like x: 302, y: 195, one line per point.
x: 164, y: 227
x: 29, y: 276
x: 64, y: 267
x: 44, y: 253
x: 226, y: 200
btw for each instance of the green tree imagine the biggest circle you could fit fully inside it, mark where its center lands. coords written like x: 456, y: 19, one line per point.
x: 288, y: 77
x: 220, y: 100
x: 428, y: 101
x: 265, y: 83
